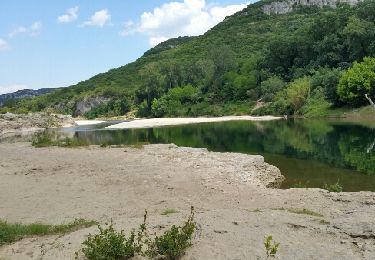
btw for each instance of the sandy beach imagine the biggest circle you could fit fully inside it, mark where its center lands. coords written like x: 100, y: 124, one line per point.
x: 157, y: 122
x: 234, y: 207
x: 87, y: 122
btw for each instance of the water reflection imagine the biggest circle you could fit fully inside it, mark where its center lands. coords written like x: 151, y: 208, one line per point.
x: 313, y: 152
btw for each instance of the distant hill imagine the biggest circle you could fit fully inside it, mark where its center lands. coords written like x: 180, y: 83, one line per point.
x: 24, y: 93
x: 282, y: 57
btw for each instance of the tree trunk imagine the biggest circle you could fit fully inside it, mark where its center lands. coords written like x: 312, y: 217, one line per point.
x: 369, y: 100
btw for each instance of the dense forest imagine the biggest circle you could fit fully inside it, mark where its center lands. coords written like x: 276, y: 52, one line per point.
x: 304, y: 62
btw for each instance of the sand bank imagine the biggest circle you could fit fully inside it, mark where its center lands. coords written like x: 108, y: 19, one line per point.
x: 88, y: 122
x: 157, y: 122
x: 234, y: 209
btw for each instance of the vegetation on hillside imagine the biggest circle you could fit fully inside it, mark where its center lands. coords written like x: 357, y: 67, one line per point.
x: 303, y: 63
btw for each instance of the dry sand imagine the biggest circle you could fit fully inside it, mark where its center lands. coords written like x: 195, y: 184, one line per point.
x: 157, y: 122
x: 234, y: 209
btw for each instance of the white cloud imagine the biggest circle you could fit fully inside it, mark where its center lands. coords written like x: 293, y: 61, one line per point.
x: 11, y: 88
x: 32, y: 30
x: 70, y: 16
x: 3, y: 45
x: 99, y: 19
x: 187, y: 18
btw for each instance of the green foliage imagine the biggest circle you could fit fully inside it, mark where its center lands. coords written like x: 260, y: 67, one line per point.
x: 113, y: 245
x: 248, y: 56
x: 316, y: 105
x: 13, y: 232
x: 270, y: 87
x: 177, y: 102
x: 271, y: 246
x: 112, y: 108
x: 327, y: 79
x: 297, y: 93
x: 110, y: 245
x: 290, y: 100
x: 336, y: 187
x: 358, y: 81
x: 173, y: 243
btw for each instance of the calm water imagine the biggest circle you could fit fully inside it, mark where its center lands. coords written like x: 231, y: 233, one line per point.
x: 307, y: 151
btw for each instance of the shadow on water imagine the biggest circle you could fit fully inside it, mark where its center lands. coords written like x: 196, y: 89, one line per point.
x: 312, y: 152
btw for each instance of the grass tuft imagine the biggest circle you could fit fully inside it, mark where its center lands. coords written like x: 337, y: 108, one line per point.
x: 10, y: 233
x: 305, y: 212
x: 169, y: 212
x: 336, y: 187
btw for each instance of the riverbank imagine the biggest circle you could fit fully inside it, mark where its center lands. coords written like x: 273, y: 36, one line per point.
x: 158, y: 122
x: 234, y: 209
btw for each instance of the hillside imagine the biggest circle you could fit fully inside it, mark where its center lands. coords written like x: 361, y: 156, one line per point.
x: 287, y: 55
x: 24, y: 93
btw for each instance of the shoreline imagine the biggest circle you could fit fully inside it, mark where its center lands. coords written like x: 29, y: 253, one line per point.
x: 158, y: 122
x: 234, y: 208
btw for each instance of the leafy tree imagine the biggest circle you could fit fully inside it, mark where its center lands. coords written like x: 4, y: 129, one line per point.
x: 270, y: 87
x: 176, y: 102
x: 297, y: 93
x: 328, y: 79
x: 360, y: 35
x: 358, y: 81
x: 237, y: 87
x: 150, y: 89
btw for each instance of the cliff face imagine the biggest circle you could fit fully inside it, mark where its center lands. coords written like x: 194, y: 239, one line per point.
x: 287, y: 6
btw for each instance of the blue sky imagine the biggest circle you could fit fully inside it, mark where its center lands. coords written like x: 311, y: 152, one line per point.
x: 46, y: 43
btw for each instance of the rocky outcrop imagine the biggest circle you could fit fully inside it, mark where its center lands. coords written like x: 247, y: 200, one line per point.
x: 84, y: 106
x: 287, y: 6
x: 215, y: 167
x: 14, y: 124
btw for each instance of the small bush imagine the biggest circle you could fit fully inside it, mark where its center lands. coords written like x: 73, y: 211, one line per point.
x: 173, y: 243
x: 336, y: 187
x: 271, y: 246
x: 42, y: 140
x: 110, y: 245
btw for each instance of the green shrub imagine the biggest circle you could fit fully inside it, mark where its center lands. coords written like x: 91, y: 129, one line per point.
x: 336, y: 187
x: 173, y: 243
x: 110, y: 245
x: 113, y: 245
x: 112, y: 108
x: 316, y: 105
x: 271, y: 246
